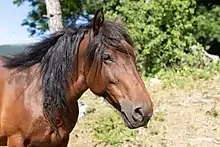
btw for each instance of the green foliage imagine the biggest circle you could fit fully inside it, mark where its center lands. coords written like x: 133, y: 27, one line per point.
x: 167, y: 33
x: 71, y: 11
x: 161, y: 29
x: 110, y: 129
x: 208, y: 24
x: 36, y: 20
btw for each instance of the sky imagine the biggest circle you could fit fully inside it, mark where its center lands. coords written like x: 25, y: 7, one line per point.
x: 11, y: 17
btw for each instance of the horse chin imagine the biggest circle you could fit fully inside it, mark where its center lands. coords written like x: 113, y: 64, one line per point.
x: 132, y: 125
x: 127, y: 122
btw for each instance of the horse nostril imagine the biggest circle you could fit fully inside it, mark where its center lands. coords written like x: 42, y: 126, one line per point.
x: 138, y: 114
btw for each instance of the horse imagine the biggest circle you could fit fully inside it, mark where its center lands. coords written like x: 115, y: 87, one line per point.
x: 40, y: 86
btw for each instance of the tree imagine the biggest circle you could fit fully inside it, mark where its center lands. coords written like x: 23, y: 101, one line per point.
x: 166, y: 33
x: 208, y: 22
x: 71, y: 10
x: 55, y: 15
x: 163, y: 31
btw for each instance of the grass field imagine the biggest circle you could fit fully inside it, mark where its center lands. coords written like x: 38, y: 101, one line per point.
x: 186, y: 115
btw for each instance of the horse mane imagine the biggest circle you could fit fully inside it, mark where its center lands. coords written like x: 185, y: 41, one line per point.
x: 57, y: 57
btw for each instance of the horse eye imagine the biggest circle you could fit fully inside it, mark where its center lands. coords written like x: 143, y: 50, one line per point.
x: 107, y: 57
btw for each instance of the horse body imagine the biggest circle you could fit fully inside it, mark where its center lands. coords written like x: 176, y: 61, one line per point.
x: 40, y: 87
x: 21, y: 111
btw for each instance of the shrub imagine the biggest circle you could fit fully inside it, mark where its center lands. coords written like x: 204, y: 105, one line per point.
x: 163, y: 31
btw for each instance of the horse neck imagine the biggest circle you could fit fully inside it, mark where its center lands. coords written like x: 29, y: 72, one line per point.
x: 79, y: 86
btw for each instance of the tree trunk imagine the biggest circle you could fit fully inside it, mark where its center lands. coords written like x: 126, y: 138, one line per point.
x: 55, y: 15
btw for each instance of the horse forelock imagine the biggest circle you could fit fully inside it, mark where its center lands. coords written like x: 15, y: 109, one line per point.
x: 110, y: 36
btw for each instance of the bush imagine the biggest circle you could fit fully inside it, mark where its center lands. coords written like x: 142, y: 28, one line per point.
x: 163, y: 31
x: 208, y: 24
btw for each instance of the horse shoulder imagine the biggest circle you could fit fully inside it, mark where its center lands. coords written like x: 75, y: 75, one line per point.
x: 21, y: 100
x: 21, y: 108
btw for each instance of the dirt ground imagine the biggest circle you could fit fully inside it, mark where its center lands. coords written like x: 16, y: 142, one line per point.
x: 182, y: 118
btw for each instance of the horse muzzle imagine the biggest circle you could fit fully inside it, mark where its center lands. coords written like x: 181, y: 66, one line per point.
x: 135, y: 116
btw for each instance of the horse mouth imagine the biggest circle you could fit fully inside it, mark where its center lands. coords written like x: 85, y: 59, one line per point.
x: 132, y: 124
x: 126, y: 121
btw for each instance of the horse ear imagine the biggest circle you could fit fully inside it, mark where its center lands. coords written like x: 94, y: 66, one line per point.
x: 118, y: 20
x: 98, y: 21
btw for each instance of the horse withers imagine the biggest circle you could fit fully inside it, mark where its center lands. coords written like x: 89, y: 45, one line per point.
x: 40, y: 87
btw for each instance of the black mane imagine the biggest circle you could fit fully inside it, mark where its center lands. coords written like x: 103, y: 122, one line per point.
x: 57, y: 57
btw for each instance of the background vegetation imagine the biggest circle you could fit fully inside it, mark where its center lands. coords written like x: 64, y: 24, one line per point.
x: 167, y: 33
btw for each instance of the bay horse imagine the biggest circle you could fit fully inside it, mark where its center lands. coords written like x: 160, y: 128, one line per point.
x: 40, y: 87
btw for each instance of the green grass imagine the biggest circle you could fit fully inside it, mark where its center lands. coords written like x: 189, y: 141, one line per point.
x: 184, y: 78
x: 108, y: 128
